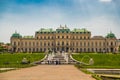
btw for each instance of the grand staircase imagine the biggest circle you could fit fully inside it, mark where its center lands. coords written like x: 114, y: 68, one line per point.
x: 57, y: 58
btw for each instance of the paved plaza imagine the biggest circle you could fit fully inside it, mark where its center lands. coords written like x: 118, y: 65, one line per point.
x: 46, y: 72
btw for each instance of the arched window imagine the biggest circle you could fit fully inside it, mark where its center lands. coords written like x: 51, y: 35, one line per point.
x: 88, y: 49
x: 62, y: 37
x: 44, y: 44
x: 84, y: 49
x: 100, y: 44
x: 29, y: 43
x: 62, y: 43
x: 18, y: 43
x: 40, y: 49
x: 84, y: 43
x: 37, y: 37
x: 33, y: 44
x: 67, y: 44
x: 48, y: 37
x: 37, y: 50
x: 26, y: 43
x: 76, y: 43
x: 88, y: 44
x: 84, y: 37
x: 52, y: 43
x: 67, y: 37
x: 40, y: 43
x: 80, y: 49
x: 80, y: 43
x: 58, y: 43
x: 52, y: 37
x: 14, y: 43
x: 44, y: 37
x: 73, y: 43
x: 48, y: 44
x: 37, y: 43
x: 95, y: 43
x: 111, y: 43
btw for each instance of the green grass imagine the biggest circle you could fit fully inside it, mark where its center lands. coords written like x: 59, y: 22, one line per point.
x: 14, y: 60
x: 100, y: 60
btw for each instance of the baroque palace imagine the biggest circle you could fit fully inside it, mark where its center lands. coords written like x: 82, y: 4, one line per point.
x: 64, y: 39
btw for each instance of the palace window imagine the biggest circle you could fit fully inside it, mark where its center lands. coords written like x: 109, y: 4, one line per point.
x: 84, y: 37
x: 29, y: 43
x: 84, y: 43
x: 111, y: 43
x: 14, y: 43
x: 67, y: 44
x: 80, y: 37
x: 62, y: 43
x: 88, y: 49
x: 37, y: 50
x: 73, y: 43
x: 40, y: 43
x: 48, y: 37
x: 44, y: 44
x: 44, y: 49
x: 33, y: 44
x: 76, y: 43
x: 40, y: 49
x: 33, y: 49
x: 37, y: 37
x: 67, y: 37
x: 80, y: 43
x: 84, y: 49
x: 88, y: 44
x: 25, y: 49
x: 62, y: 37
x: 18, y: 43
x: 58, y: 37
x: 99, y: 43
x: 52, y: 43
x: 95, y: 43
x: 58, y: 43
x: 37, y: 43
x: 44, y: 37
x: 80, y: 49
x: 48, y: 44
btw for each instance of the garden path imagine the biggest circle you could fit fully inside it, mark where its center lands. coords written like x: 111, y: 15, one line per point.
x: 46, y: 72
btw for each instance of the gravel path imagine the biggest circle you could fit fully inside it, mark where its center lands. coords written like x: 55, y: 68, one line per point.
x: 46, y: 72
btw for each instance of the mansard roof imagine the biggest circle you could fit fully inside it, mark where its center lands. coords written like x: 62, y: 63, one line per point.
x: 62, y: 29
x: 97, y: 37
x: 110, y: 35
x: 83, y: 30
x: 16, y: 35
x: 28, y: 37
x: 45, y: 30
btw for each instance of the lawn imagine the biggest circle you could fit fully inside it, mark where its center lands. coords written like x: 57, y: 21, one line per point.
x: 100, y: 60
x: 14, y: 60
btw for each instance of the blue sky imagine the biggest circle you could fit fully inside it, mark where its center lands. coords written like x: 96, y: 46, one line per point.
x: 28, y: 16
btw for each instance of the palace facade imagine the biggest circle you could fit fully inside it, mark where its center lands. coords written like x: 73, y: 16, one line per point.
x: 64, y: 39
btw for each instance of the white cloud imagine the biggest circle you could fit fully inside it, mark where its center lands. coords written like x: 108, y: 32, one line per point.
x: 105, y: 0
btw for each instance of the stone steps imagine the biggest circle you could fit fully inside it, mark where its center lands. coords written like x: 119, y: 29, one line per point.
x: 58, y: 58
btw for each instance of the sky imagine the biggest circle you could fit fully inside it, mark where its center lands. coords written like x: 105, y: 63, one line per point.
x: 27, y: 16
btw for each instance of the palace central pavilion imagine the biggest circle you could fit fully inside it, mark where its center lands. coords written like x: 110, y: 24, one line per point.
x: 64, y: 39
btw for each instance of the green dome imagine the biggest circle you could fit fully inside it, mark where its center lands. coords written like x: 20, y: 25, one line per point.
x: 16, y: 35
x: 110, y: 35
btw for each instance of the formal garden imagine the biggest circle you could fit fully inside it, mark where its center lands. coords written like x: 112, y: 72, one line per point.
x: 99, y: 60
x: 19, y: 60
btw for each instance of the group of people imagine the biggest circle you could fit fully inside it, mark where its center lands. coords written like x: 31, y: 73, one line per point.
x: 56, y: 61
